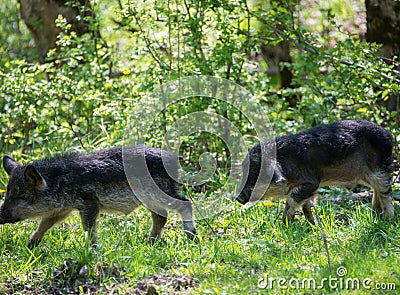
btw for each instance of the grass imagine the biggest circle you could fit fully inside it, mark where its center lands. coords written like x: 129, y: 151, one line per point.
x: 240, y: 251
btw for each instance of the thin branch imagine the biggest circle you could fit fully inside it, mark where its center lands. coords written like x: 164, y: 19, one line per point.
x: 324, y: 239
x: 146, y: 39
x: 303, y: 44
x: 124, y: 26
x: 120, y: 5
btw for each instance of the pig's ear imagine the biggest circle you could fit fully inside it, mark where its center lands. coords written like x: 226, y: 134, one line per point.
x: 9, y: 164
x: 278, y: 175
x: 33, y: 177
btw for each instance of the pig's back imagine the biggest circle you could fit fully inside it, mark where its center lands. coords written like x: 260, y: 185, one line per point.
x: 102, y: 166
x: 328, y: 145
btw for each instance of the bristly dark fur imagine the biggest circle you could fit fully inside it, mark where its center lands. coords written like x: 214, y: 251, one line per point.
x: 331, y: 143
x: 52, y: 188
x: 344, y: 153
x: 104, y: 167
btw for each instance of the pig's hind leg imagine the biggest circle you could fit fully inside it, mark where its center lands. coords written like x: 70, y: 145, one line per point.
x: 302, y: 196
x: 380, y: 182
x: 189, y: 225
x: 175, y: 203
x: 185, y: 209
x: 307, y: 208
x: 180, y: 205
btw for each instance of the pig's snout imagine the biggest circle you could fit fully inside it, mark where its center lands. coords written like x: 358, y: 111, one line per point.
x: 240, y: 199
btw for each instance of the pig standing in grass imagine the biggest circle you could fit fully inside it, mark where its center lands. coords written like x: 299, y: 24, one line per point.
x: 90, y: 183
x: 344, y: 153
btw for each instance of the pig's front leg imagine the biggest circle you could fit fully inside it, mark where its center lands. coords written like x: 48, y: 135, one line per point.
x: 88, y: 211
x: 45, y: 224
x: 303, y: 195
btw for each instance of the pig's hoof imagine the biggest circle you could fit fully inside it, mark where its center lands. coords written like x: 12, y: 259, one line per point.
x: 192, y: 236
x: 156, y: 241
x: 33, y: 243
x: 287, y: 219
x: 240, y: 200
x: 95, y: 246
x: 387, y: 215
x: 310, y: 219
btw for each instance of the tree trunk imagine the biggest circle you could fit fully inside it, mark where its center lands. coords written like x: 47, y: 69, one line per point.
x: 40, y: 17
x: 275, y: 55
x: 383, y: 25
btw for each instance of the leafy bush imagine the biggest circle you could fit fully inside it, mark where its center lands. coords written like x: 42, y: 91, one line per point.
x: 73, y: 101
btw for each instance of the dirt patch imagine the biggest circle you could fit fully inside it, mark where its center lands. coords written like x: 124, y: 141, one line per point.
x: 71, y: 277
x: 166, y: 284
